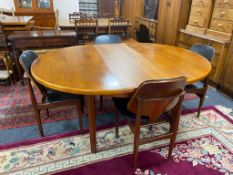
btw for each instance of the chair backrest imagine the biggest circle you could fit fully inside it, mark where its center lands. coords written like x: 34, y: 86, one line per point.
x: 156, y: 97
x: 77, y: 15
x: 26, y: 59
x: 206, y: 51
x: 3, y: 43
x: 118, y: 25
x: 143, y: 34
x: 107, y: 39
x: 87, y: 25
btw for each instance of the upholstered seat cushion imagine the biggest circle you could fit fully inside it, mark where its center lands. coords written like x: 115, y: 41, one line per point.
x: 55, y: 96
x: 4, y: 74
x: 121, y: 105
x: 192, y: 86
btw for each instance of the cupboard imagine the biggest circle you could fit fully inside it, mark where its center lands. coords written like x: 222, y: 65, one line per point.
x: 41, y: 10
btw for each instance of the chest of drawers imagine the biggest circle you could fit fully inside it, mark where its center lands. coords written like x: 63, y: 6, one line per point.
x: 200, y: 15
x: 222, y: 18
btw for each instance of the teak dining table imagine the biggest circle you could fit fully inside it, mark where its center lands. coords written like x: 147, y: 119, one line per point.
x: 114, y: 69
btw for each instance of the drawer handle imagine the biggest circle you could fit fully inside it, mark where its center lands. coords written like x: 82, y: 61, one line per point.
x: 223, y: 13
x: 195, y: 21
x: 199, y: 11
x: 225, y: 1
x: 220, y: 25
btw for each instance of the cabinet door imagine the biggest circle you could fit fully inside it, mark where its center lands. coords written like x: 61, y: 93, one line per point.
x: 44, y: 5
x: 106, y: 8
x: 24, y: 4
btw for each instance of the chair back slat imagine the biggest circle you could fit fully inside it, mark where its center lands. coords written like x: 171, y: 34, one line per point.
x: 87, y: 25
x: 206, y: 51
x: 118, y: 25
x: 157, y: 97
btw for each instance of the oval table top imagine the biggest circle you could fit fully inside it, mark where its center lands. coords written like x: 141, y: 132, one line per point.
x: 113, y: 69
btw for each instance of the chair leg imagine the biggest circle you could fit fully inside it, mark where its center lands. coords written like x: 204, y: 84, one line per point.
x: 117, y: 116
x: 171, y: 146
x: 38, y: 120
x: 136, y: 143
x: 80, y: 117
x: 202, y: 99
x: 47, y: 113
x: 101, y: 102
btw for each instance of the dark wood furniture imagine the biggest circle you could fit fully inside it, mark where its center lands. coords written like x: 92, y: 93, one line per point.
x: 103, y: 25
x: 106, y: 8
x: 41, y: 10
x: 208, y: 52
x: 119, y: 26
x: 50, y: 98
x: 95, y: 70
x: 22, y: 40
x: 12, y: 23
x: 86, y: 26
x: 152, y: 99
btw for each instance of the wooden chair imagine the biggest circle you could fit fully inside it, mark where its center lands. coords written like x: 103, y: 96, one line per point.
x: 107, y: 39
x: 207, y: 52
x: 119, y: 26
x: 7, y: 72
x: 86, y: 29
x: 50, y: 98
x: 152, y: 99
x: 77, y: 15
x: 86, y: 26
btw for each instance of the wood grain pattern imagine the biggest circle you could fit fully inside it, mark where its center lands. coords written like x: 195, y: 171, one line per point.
x: 14, y: 20
x: 116, y: 68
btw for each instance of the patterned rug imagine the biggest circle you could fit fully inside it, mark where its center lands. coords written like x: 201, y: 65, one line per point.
x: 16, y: 109
x: 204, y: 146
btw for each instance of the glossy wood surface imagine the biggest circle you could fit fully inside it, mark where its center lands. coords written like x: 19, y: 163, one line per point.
x: 15, y: 20
x: 115, y: 68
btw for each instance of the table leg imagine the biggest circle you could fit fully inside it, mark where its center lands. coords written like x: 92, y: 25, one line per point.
x: 92, y: 121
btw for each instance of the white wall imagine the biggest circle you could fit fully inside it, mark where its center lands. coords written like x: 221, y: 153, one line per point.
x: 7, y: 4
x: 64, y: 6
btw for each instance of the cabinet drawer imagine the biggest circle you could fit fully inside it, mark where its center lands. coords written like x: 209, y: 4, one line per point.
x: 222, y: 13
x: 224, y: 3
x: 198, y: 11
x: 221, y: 25
x: 197, y: 21
x: 201, y: 3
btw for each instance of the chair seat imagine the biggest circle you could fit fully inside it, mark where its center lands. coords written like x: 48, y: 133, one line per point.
x: 55, y: 96
x: 121, y: 105
x: 4, y: 74
x: 191, y: 86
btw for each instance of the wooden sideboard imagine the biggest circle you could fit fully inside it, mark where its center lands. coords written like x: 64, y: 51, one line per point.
x: 21, y: 40
x: 211, y: 23
x: 149, y: 23
x: 187, y: 39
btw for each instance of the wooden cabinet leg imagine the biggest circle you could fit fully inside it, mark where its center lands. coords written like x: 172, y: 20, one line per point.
x: 92, y: 121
